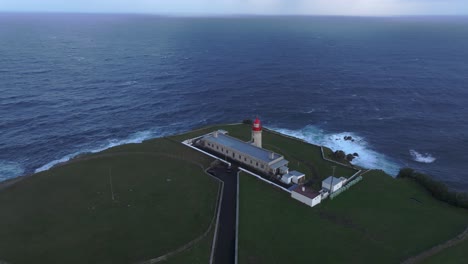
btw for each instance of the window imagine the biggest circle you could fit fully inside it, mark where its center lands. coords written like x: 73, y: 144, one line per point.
x: 217, y: 147
x: 222, y: 149
x: 233, y: 155
x: 262, y: 166
x: 245, y: 159
x: 257, y: 164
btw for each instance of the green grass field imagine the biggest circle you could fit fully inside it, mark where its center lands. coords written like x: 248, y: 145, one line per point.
x: 67, y: 215
x: 379, y: 220
x: 139, y: 201
x: 457, y: 254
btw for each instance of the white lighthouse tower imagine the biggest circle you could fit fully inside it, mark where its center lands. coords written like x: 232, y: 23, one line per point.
x: 257, y: 133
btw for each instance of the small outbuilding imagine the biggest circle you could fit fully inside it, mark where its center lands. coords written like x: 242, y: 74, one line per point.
x: 306, y: 195
x: 336, y: 182
x: 294, y: 177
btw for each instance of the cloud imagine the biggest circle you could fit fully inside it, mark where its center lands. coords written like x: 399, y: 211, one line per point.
x: 304, y: 7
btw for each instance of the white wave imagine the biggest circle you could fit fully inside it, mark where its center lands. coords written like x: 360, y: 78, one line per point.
x: 128, y: 83
x: 78, y: 58
x: 423, y: 158
x: 10, y: 169
x: 367, y: 158
x: 134, y: 138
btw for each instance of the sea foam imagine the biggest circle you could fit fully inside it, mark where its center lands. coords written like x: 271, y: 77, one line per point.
x: 10, y: 169
x: 137, y: 137
x: 422, y: 158
x: 367, y: 158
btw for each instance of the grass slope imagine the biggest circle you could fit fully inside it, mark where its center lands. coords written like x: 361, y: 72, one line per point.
x: 379, y: 220
x: 67, y: 215
x: 457, y: 254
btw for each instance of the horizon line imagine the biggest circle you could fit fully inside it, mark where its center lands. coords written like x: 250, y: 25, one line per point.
x: 182, y: 14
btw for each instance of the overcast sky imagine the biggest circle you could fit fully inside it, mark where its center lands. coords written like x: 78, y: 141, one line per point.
x: 228, y: 7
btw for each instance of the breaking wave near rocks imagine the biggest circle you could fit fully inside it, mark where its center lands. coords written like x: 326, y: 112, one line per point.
x: 137, y: 137
x: 367, y: 158
x: 421, y: 157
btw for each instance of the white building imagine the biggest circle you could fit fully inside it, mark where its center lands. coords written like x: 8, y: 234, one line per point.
x: 294, y: 177
x: 336, y: 182
x: 249, y: 153
x: 306, y: 195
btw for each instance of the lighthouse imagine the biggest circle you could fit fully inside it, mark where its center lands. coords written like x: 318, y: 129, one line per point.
x: 257, y: 133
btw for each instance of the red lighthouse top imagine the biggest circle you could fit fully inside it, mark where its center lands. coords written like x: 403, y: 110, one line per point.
x: 257, y: 126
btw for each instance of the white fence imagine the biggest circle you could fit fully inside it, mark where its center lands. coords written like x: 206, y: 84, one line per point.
x: 265, y: 180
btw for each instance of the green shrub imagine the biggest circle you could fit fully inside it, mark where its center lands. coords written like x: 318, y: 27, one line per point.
x: 437, y: 189
x: 247, y: 121
x: 405, y: 173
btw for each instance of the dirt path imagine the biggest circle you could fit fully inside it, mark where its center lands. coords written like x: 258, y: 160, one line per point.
x: 436, y: 249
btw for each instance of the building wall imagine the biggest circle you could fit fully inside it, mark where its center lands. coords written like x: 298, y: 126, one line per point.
x: 301, y: 198
x: 286, y: 180
x: 336, y: 187
x: 306, y: 200
x: 257, y: 138
x: 298, y: 179
x: 316, y: 200
x: 238, y: 156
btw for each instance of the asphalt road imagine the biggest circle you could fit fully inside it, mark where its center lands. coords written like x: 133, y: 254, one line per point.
x: 225, y: 242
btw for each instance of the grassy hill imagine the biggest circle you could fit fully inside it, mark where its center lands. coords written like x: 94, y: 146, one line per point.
x: 379, y: 220
x: 457, y: 254
x: 136, y: 202
x: 162, y: 200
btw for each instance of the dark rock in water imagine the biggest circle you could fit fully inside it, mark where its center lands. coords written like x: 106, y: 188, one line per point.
x: 349, y: 157
x: 339, y: 154
x: 348, y: 138
x: 247, y: 121
x: 355, y: 154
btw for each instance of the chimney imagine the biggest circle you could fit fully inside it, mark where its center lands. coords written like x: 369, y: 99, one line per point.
x: 272, y: 155
x: 303, y: 188
x: 215, y: 134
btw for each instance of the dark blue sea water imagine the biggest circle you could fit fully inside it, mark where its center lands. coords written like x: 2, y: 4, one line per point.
x: 78, y: 83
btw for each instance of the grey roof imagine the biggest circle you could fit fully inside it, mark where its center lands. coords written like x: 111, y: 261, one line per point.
x: 241, y: 146
x: 279, y: 164
x: 296, y: 173
x: 329, y: 180
x: 310, y: 193
x: 293, y: 174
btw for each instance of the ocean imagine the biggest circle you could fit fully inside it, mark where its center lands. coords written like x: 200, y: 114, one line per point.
x: 76, y: 83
